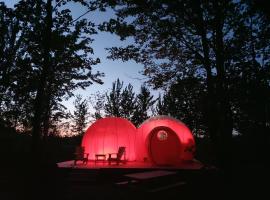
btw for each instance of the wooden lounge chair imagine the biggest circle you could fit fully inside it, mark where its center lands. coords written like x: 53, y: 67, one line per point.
x: 80, y: 155
x: 118, y: 156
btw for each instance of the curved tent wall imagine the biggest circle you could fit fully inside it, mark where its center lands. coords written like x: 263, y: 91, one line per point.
x: 164, y: 141
x: 107, y: 135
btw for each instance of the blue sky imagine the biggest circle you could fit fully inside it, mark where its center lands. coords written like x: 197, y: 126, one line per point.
x: 129, y: 72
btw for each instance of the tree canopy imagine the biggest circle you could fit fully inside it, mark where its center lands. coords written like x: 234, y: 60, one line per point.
x: 45, y: 56
x: 216, y: 41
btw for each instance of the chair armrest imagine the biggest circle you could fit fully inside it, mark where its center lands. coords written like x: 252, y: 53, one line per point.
x: 110, y: 154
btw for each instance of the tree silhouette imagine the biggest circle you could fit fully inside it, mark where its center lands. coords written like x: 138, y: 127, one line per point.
x: 113, y: 100
x: 120, y: 102
x: 97, y: 102
x: 211, y: 40
x: 51, y: 60
x: 11, y: 72
x: 128, y: 102
x: 184, y: 100
x: 123, y: 102
x: 80, y: 115
x: 144, y: 102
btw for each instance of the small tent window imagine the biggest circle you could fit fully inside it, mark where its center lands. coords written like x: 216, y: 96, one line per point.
x: 162, y: 135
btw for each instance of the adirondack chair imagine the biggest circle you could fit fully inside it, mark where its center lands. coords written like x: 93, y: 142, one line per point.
x: 80, y: 155
x: 117, y: 157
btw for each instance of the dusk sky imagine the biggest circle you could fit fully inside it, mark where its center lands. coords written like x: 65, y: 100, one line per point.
x: 129, y: 72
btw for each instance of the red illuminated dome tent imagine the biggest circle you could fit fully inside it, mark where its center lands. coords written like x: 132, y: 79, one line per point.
x: 161, y: 140
x: 164, y: 140
x: 106, y: 135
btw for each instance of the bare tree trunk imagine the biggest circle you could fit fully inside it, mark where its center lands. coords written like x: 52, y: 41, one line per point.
x: 46, y: 119
x: 39, y: 105
x: 218, y: 112
x: 224, y: 116
x: 211, y: 101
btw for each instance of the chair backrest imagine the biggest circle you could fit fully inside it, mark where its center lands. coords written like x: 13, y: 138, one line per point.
x: 79, y: 152
x: 121, y: 152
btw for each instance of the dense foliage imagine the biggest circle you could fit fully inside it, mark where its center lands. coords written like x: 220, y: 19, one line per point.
x: 45, y: 56
x: 123, y: 102
x: 225, y: 44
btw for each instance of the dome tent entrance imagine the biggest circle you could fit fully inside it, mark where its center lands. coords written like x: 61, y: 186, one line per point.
x: 164, y: 146
x: 164, y: 141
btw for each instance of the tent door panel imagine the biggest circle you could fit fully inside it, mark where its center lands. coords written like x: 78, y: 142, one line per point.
x: 164, y: 146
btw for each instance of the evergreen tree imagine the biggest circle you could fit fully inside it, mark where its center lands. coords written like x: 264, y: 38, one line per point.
x: 80, y: 115
x: 113, y: 100
x: 144, y: 102
x: 128, y: 102
x: 184, y: 100
x: 97, y: 101
x: 123, y: 102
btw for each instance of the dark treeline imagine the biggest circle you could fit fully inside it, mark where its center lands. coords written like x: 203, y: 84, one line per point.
x: 123, y: 102
x: 211, y: 58
x: 118, y: 101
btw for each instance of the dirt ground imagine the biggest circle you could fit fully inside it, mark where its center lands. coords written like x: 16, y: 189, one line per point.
x: 50, y: 182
